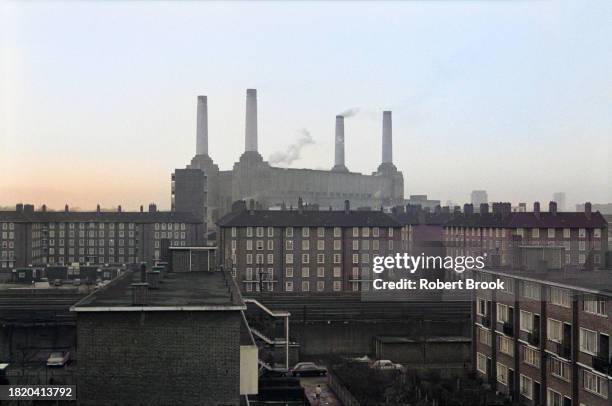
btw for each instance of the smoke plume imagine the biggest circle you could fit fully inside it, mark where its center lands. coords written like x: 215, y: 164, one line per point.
x: 350, y: 112
x: 294, y: 150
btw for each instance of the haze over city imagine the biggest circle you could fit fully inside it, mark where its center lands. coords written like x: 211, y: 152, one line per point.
x: 98, y: 100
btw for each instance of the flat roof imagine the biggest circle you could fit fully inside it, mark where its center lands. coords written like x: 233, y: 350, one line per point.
x: 598, y: 282
x: 178, y: 291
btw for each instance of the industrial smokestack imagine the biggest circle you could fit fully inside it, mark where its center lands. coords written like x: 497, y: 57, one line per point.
x: 339, y: 165
x: 202, y: 126
x: 387, y: 140
x: 250, y: 143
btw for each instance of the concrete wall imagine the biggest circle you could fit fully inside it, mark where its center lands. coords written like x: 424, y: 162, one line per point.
x: 154, y: 358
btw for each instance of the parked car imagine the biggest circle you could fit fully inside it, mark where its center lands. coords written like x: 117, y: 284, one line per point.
x: 58, y: 358
x: 386, y: 365
x: 57, y: 282
x: 308, y: 369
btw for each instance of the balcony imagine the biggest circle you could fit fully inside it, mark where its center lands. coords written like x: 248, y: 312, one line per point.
x: 602, y: 363
x: 533, y: 338
x: 486, y: 321
x: 564, y: 350
x: 508, y: 329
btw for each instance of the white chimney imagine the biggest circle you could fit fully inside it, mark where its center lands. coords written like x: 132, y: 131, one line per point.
x: 339, y: 165
x: 202, y: 126
x: 387, y: 140
x: 250, y: 143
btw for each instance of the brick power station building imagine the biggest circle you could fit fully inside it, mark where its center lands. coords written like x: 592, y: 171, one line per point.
x: 254, y: 178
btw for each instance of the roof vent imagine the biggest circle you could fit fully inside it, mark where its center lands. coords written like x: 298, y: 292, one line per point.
x: 153, y: 278
x: 140, y: 294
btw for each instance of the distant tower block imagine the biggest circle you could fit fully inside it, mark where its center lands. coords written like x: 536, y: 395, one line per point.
x: 339, y: 165
x: 202, y: 127
x: 250, y: 143
x: 387, y: 141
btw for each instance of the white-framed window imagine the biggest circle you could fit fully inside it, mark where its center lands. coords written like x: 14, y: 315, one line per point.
x: 530, y: 290
x: 320, y: 245
x: 597, y: 233
x: 505, y: 345
x: 305, y: 232
x: 305, y: 258
x: 555, y: 330
x: 582, y: 232
x: 289, y: 258
x: 365, y: 231
x: 595, y: 384
x: 535, y: 232
x: 593, y: 305
x: 337, y: 286
x: 502, y: 373
x: 249, y: 245
x: 289, y: 232
x: 337, y: 231
x: 551, y: 233
x: 355, y: 245
x: 390, y: 231
x: 526, y: 321
x: 531, y: 356
x: 289, y: 245
x: 320, y: 272
x: 484, y: 336
x: 249, y: 274
x: 249, y: 258
x: 305, y: 286
x: 305, y: 245
x: 337, y: 272
x: 581, y: 245
x: 588, y: 341
x: 259, y: 244
x: 355, y: 231
x: 553, y: 398
x: 337, y: 245
x: 305, y: 272
x: 270, y: 245
x: 270, y: 231
x: 566, y: 233
x: 503, y: 313
x: 260, y: 231
x: 320, y: 232
x: 581, y: 259
x: 526, y: 386
x: 320, y: 286
x: 481, y: 363
x: 355, y: 258
x: 270, y: 258
x: 289, y: 272
x: 375, y: 232
x: 559, y: 368
x: 560, y: 297
x: 337, y: 258
x: 320, y: 258
x: 233, y: 231
x: 481, y: 307
x: 288, y: 286
x: 249, y: 231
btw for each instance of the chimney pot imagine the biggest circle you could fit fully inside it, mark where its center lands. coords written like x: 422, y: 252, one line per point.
x: 66, y: 208
x: 98, y: 208
x: 119, y: 209
x: 44, y: 208
x: 19, y: 207
x: 484, y: 209
x: 588, y: 209
x: 141, y: 208
x: 347, y: 207
x: 152, y: 208
x: 536, y: 209
x: 552, y: 208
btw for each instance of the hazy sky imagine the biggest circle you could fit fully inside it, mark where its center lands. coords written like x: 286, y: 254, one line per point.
x: 98, y: 99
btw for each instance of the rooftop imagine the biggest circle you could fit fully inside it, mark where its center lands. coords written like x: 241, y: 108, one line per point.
x: 308, y: 218
x: 599, y: 282
x: 178, y: 291
x: 40, y: 216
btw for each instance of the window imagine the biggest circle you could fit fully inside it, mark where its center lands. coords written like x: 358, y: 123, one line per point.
x: 320, y: 272
x: 526, y: 323
x: 503, y: 313
x: 337, y: 258
x: 595, y: 384
x: 305, y: 232
x: 305, y: 286
x: 551, y: 233
x: 526, y: 386
x: 365, y: 232
x: 305, y: 245
x: 336, y: 245
x: 355, y: 231
x: 260, y: 231
x: 288, y: 244
x: 535, y: 233
x: 249, y: 274
x: 320, y: 245
x: 555, y: 330
x: 593, y: 305
x: 270, y: 231
x: 320, y: 232
x: 249, y: 258
x: 554, y: 398
x: 270, y: 245
x: 355, y: 258
x: 375, y: 232
x: 560, y: 297
x: 289, y: 232
x: 288, y: 286
x: 481, y: 363
x: 502, y: 374
x: 484, y: 336
x: 289, y: 258
x: 289, y: 272
x: 270, y: 258
x: 305, y: 272
x: 588, y: 341
x: 320, y: 286
x: 337, y: 232
x: 390, y: 232
x: 320, y: 258
x: 355, y: 245
x: 249, y: 245
x: 337, y: 272
x: 531, y: 290
x: 559, y: 369
x: 481, y: 308
x: 305, y: 258
x: 531, y: 357
x: 566, y: 233
x: 249, y: 231
x: 582, y: 232
x: 259, y: 245
x: 337, y: 286
x: 505, y: 345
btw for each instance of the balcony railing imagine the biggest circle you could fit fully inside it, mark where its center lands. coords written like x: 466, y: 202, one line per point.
x: 602, y: 363
x: 486, y: 321
x: 564, y: 350
x: 533, y: 338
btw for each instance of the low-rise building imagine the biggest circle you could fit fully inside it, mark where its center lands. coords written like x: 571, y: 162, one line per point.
x: 544, y: 338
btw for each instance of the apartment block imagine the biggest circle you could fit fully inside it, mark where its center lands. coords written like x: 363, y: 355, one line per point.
x: 301, y: 251
x: 45, y: 238
x: 544, y: 339
x: 530, y: 240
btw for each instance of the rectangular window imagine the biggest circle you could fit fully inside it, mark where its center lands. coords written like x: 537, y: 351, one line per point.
x: 336, y: 245
x: 553, y: 398
x: 555, y: 330
x: 305, y: 232
x: 535, y: 233
x: 559, y: 369
x: 321, y: 272
x: 551, y: 233
x: 355, y: 258
x: 270, y: 231
x: 305, y: 258
x: 305, y: 272
x: 595, y: 384
x: 526, y: 387
x: 289, y: 245
x: 588, y: 341
x: 566, y: 233
x: 320, y: 286
x: 593, y: 305
x: 337, y: 286
x: 503, y: 313
x: 531, y: 356
x: 484, y: 336
x: 365, y: 231
x: 289, y: 272
x: 249, y: 231
x: 337, y: 272
x: 320, y: 232
x: 337, y: 232
x: 320, y: 258
x: 481, y: 363
x: 305, y: 286
x: 305, y: 245
x: 355, y: 231
x: 337, y: 258
x: 526, y: 323
x: 502, y: 374
x: 289, y: 258
x: 505, y: 345
x: 321, y: 245
x: 560, y: 297
x: 289, y: 286
x: 289, y: 232
x: 531, y: 290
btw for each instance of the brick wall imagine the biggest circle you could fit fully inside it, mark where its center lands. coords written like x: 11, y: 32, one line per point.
x: 154, y: 358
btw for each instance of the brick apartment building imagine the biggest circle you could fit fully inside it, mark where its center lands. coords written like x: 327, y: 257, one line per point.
x: 302, y: 251
x: 181, y: 339
x: 570, y: 240
x: 43, y: 237
x: 545, y: 339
